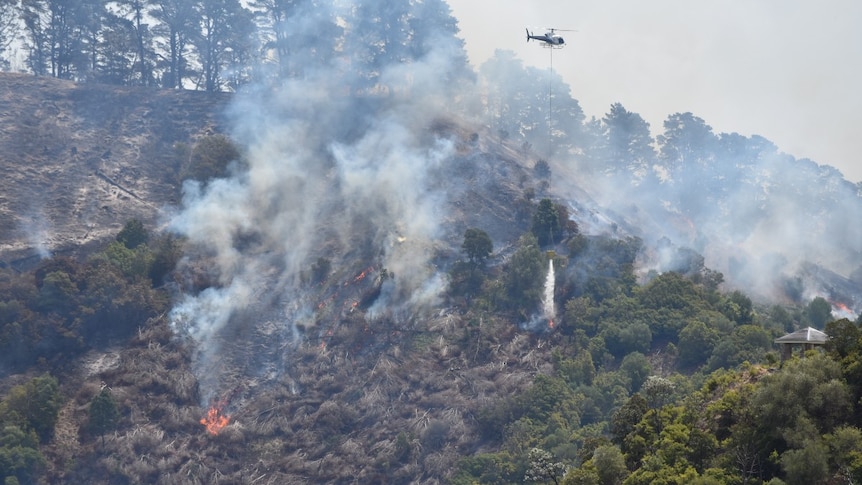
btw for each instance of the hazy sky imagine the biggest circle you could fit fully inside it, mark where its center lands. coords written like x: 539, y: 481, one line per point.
x: 788, y: 70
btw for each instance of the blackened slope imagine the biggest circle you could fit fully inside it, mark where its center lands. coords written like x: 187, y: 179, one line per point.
x: 79, y: 160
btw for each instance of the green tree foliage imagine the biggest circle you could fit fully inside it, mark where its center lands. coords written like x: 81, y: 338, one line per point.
x: 844, y: 338
x: 845, y: 452
x: 489, y: 468
x: 166, y: 252
x: 223, y: 41
x: 673, y: 299
x: 806, y: 465
x: 133, y: 234
x: 754, y: 424
x: 625, y: 418
x: 738, y: 308
x: 687, y: 150
x: 526, y: 416
x: 845, y: 346
x: 133, y: 263
x: 33, y: 405
x: 209, y: 158
x: 466, y: 277
x: 20, y: 458
x: 103, y: 413
x: 610, y: 465
x: 808, y: 395
x: 657, y: 391
x: 58, y: 292
x: 623, y: 338
x: 585, y: 475
x: 477, y: 246
x: 818, y: 312
x: 523, y: 276
x: 546, y: 223
x: 636, y: 367
x: 176, y: 25
x: 696, y: 342
x: 64, y: 306
x: 576, y: 371
x: 625, y: 144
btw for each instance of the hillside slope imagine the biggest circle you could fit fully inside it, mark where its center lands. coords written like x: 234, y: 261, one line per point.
x: 78, y: 160
x: 352, y: 397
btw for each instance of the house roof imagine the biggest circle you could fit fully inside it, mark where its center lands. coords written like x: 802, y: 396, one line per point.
x: 805, y: 336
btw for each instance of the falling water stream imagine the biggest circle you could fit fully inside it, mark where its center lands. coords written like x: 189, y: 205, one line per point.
x: 548, y: 297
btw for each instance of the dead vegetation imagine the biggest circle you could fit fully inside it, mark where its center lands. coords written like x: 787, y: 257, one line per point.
x: 347, y: 399
x: 79, y: 160
x: 404, y: 414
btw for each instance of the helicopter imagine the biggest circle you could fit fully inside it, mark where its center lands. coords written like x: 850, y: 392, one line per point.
x: 551, y: 39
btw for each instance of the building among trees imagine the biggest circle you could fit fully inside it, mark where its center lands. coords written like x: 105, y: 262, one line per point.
x: 806, y: 339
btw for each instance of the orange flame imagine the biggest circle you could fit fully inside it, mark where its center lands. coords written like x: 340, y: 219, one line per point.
x: 215, y: 420
x: 842, y: 310
x: 363, y: 274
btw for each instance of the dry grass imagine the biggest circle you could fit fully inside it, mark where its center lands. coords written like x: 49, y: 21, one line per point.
x: 335, y: 417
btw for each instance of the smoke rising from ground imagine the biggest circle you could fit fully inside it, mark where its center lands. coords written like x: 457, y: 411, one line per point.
x: 328, y: 173
x: 762, y: 218
x: 759, y: 216
x: 36, y: 229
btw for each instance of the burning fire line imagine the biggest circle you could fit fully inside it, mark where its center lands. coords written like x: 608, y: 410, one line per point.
x: 841, y: 310
x: 363, y: 274
x: 216, y: 419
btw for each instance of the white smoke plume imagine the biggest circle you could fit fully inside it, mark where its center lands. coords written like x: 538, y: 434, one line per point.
x: 328, y: 173
x: 36, y: 229
x: 757, y: 215
x: 763, y: 221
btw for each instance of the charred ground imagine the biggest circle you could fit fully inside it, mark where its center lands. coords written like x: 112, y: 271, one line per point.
x: 345, y: 398
x: 342, y: 389
x: 78, y: 160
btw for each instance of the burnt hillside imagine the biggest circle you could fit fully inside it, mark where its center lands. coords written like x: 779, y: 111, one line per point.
x: 78, y: 160
x: 348, y: 392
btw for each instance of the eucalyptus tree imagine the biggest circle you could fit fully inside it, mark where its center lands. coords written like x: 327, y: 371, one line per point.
x: 56, y: 33
x: 129, y: 44
x: 272, y: 18
x: 224, y: 27
x: 176, y: 27
x: 118, y: 51
x: 8, y: 27
x: 379, y: 36
x: 627, y: 143
x: 299, y: 35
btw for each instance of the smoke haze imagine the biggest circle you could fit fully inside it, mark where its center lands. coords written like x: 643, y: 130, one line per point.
x: 327, y: 175
x: 350, y: 170
x: 783, y: 70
